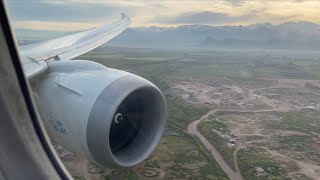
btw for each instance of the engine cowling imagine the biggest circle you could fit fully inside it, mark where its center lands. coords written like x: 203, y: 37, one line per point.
x: 109, y: 116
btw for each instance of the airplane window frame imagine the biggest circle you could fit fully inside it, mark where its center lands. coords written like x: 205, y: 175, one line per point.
x: 26, y: 152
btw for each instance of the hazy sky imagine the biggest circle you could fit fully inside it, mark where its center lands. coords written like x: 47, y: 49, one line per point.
x: 81, y: 14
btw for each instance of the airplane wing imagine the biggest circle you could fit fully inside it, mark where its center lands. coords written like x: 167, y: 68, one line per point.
x: 35, y: 56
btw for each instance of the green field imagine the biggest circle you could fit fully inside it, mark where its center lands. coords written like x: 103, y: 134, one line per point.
x: 249, y: 159
x: 299, y: 122
x: 238, y: 65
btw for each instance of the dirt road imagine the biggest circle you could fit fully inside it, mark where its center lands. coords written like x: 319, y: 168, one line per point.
x: 236, y: 162
x: 192, y: 129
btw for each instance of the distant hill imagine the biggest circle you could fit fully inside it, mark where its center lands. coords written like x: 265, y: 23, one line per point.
x: 289, y: 35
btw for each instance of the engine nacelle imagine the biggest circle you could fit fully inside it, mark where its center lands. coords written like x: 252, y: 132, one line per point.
x: 112, y: 117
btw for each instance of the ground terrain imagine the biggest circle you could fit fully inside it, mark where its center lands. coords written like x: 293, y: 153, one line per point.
x: 237, y: 115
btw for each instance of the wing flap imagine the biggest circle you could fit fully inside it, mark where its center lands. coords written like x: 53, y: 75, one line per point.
x: 34, y: 68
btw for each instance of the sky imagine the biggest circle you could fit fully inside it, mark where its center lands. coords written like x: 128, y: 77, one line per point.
x: 68, y: 15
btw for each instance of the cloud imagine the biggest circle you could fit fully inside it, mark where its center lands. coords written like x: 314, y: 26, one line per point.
x: 44, y: 25
x: 64, y: 11
x: 160, y: 13
x: 235, y: 2
x: 204, y: 17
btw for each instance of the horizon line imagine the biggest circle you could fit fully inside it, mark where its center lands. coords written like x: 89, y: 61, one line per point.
x: 168, y: 27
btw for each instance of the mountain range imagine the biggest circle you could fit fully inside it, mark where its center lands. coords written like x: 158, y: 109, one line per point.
x: 290, y: 35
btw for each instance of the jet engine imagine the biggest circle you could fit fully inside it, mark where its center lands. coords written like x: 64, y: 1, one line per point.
x: 109, y: 116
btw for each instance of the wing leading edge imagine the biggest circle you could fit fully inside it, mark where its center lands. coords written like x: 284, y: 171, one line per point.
x: 34, y: 56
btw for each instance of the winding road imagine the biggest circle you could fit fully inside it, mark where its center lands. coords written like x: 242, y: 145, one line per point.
x: 192, y: 129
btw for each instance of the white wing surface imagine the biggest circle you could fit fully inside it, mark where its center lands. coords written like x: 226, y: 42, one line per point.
x: 34, y: 56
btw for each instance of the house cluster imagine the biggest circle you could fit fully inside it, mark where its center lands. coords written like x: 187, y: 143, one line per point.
x: 232, y: 139
x: 260, y: 172
x: 171, y: 132
x: 229, y: 136
x: 227, y: 103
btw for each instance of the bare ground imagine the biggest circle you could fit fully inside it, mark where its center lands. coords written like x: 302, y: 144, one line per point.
x: 204, y: 93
